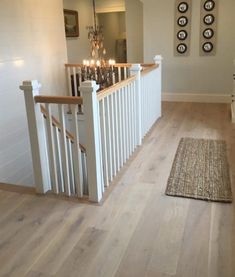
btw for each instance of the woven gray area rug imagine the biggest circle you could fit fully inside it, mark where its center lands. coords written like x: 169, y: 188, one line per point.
x: 200, y: 170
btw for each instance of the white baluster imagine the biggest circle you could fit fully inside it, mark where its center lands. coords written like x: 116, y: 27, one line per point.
x: 109, y: 139
x: 64, y: 151
x: 51, y: 148
x: 78, y: 174
x: 113, y: 138
x: 104, y: 142
x: 123, y: 125
x: 116, y: 129
x: 60, y: 167
x: 126, y: 117
x: 119, y: 74
x: 135, y: 70
x: 125, y: 72
x: 71, y: 169
x: 120, y: 127
x: 129, y: 118
x: 80, y: 79
x: 69, y: 81
x: 75, y: 86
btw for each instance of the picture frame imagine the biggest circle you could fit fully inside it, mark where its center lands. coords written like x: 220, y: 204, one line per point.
x: 71, y: 23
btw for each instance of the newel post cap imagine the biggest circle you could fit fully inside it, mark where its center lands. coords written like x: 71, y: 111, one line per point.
x: 30, y: 85
x: 158, y: 59
x: 136, y: 67
x: 89, y: 86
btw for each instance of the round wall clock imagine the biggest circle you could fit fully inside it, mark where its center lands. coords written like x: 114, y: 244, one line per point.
x: 207, y: 47
x: 209, y: 5
x: 182, y: 35
x: 183, y: 7
x: 209, y: 19
x: 181, y: 48
x: 182, y: 21
x: 208, y: 33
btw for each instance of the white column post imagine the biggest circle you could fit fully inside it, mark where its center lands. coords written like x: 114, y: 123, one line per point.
x: 37, y: 136
x: 135, y: 70
x: 91, y: 112
x: 158, y: 60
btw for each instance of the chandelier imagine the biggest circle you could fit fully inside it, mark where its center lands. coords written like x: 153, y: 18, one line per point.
x: 97, y: 67
x: 96, y: 38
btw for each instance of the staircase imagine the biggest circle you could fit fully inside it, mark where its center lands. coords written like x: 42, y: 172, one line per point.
x: 116, y: 119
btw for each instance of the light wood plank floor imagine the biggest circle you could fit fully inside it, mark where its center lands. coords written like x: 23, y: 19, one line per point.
x: 138, y: 231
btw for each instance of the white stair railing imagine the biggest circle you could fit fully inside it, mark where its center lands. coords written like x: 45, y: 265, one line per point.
x: 118, y: 118
x: 116, y: 121
x: 58, y: 159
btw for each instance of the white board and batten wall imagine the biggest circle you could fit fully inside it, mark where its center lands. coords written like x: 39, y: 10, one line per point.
x: 32, y: 46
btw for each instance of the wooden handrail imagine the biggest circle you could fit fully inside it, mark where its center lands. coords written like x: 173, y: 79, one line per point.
x: 123, y: 65
x: 107, y: 91
x: 57, y: 124
x: 58, y: 99
x: 147, y: 64
x: 116, y: 65
x: 73, y: 65
x: 149, y: 69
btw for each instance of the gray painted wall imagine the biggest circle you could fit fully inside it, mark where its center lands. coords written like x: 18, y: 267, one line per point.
x: 193, y: 74
x: 32, y: 46
x: 114, y: 26
x: 134, y: 31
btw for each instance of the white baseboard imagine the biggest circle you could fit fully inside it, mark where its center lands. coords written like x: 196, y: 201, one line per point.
x: 196, y: 97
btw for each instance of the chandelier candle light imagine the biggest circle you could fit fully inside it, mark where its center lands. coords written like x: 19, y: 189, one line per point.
x: 97, y: 68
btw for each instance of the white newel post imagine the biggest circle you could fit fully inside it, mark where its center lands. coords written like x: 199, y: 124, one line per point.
x: 158, y: 60
x: 90, y: 104
x: 37, y: 136
x: 135, y: 70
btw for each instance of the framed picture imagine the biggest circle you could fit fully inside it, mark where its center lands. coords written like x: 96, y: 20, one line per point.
x: 71, y: 23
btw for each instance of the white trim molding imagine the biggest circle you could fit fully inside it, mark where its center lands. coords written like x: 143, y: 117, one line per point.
x: 196, y: 97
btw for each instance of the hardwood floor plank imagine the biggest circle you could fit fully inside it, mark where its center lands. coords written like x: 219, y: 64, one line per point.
x: 38, y: 241
x: 83, y: 253
x: 113, y: 248
x: 20, y: 225
x: 63, y: 242
x: 15, y: 198
x: 168, y: 240
x: 37, y: 274
x: 222, y: 241
x: 193, y: 259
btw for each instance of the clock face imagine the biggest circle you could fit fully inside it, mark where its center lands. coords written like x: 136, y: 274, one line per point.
x: 182, y: 21
x: 182, y: 48
x: 183, y: 7
x: 208, y: 33
x: 182, y: 35
x: 209, y: 19
x: 209, y: 5
x: 207, y: 47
